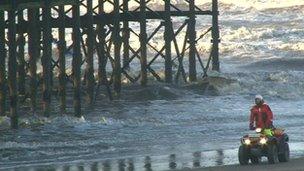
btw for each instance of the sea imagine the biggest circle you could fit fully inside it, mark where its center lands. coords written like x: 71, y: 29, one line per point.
x: 164, y: 127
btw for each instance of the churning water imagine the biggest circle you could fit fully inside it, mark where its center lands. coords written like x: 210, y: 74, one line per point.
x: 169, y: 127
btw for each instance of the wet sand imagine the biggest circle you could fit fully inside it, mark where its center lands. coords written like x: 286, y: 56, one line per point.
x: 292, y: 165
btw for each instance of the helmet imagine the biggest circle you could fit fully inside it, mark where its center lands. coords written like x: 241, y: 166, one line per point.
x: 258, y: 99
x: 258, y: 96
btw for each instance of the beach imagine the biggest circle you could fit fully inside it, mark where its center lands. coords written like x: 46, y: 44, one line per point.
x: 292, y: 165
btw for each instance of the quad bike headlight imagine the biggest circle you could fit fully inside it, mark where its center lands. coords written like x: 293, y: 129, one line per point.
x: 263, y: 140
x: 247, y: 141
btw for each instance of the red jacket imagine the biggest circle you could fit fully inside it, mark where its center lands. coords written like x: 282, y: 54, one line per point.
x: 262, y: 116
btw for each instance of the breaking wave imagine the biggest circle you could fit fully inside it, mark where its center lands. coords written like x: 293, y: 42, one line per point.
x: 273, y: 84
x: 277, y: 64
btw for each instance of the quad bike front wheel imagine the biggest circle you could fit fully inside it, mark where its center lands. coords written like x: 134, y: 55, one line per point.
x: 243, y: 155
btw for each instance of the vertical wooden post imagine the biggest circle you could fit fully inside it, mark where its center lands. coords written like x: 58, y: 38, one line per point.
x: 101, y: 52
x: 2, y: 65
x: 39, y: 35
x: 117, y: 44
x: 168, y: 39
x: 90, y: 80
x: 62, y: 51
x: 101, y: 41
x: 192, y: 38
x: 12, y: 64
x: 76, y: 63
x: 21, y: 60
x: 46, y: 58
x: 215, y: 36
x: 33, y: 50
x: 143, y: 43
x: 101, y: 37
x: 126, y: 36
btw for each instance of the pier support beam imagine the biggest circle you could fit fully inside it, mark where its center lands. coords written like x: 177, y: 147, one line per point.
x: 21, y: 60
x: 61, y: 62
x: 77, y: 58
x: 192, y: 41
x: 101, y: 52
x: 126, y: 37
x: 117, y: 44
x: 168, y: 39
x: 90, y: 80
x: 12, y: 65
x: 215, y: 36
x: 143, y: 43
x: 101, y: 47
x: 34, y: 52
x: 46, y: 58
x: 2, y: 66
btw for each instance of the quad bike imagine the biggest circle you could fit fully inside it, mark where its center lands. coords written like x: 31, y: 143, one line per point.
x: 271, y: 143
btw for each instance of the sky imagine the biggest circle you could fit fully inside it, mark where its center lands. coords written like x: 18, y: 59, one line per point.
x: 257, y: 4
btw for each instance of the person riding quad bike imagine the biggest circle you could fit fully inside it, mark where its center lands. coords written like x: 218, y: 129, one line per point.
x: 261, y: 115
x: 267, y: 140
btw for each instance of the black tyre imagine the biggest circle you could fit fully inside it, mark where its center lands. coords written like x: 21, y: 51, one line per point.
x: 284, y: 157
x: 272, y: 154
x: 243, y: 155
x: 254, y: 160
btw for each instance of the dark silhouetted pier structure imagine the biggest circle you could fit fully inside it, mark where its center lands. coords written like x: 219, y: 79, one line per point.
x: 27, y: 39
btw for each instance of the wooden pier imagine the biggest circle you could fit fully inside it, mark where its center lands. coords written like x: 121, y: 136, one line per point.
x: 29, y: 29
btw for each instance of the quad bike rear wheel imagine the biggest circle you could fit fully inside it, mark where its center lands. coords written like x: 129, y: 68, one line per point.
x: 284, y: 157
x: 272, y: 154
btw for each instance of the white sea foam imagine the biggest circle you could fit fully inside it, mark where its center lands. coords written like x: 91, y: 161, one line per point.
x: 292, y: 46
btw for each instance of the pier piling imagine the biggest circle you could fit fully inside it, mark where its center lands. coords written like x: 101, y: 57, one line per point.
x: 3, y: 85
x: 20, y: 57
x: 34, y: 55
x: 77, y: 58
x: 215, y: 36
x: 168, y: 40
x: 12, y: 65
x: 61, y: 60
x: 90, y: 80
x: 46, y: 58
x: 117, y: 45
x: 192, y: 37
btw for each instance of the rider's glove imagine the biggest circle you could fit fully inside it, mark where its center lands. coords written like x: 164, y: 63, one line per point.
x: 271, y: 125
x: 251, y: 127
